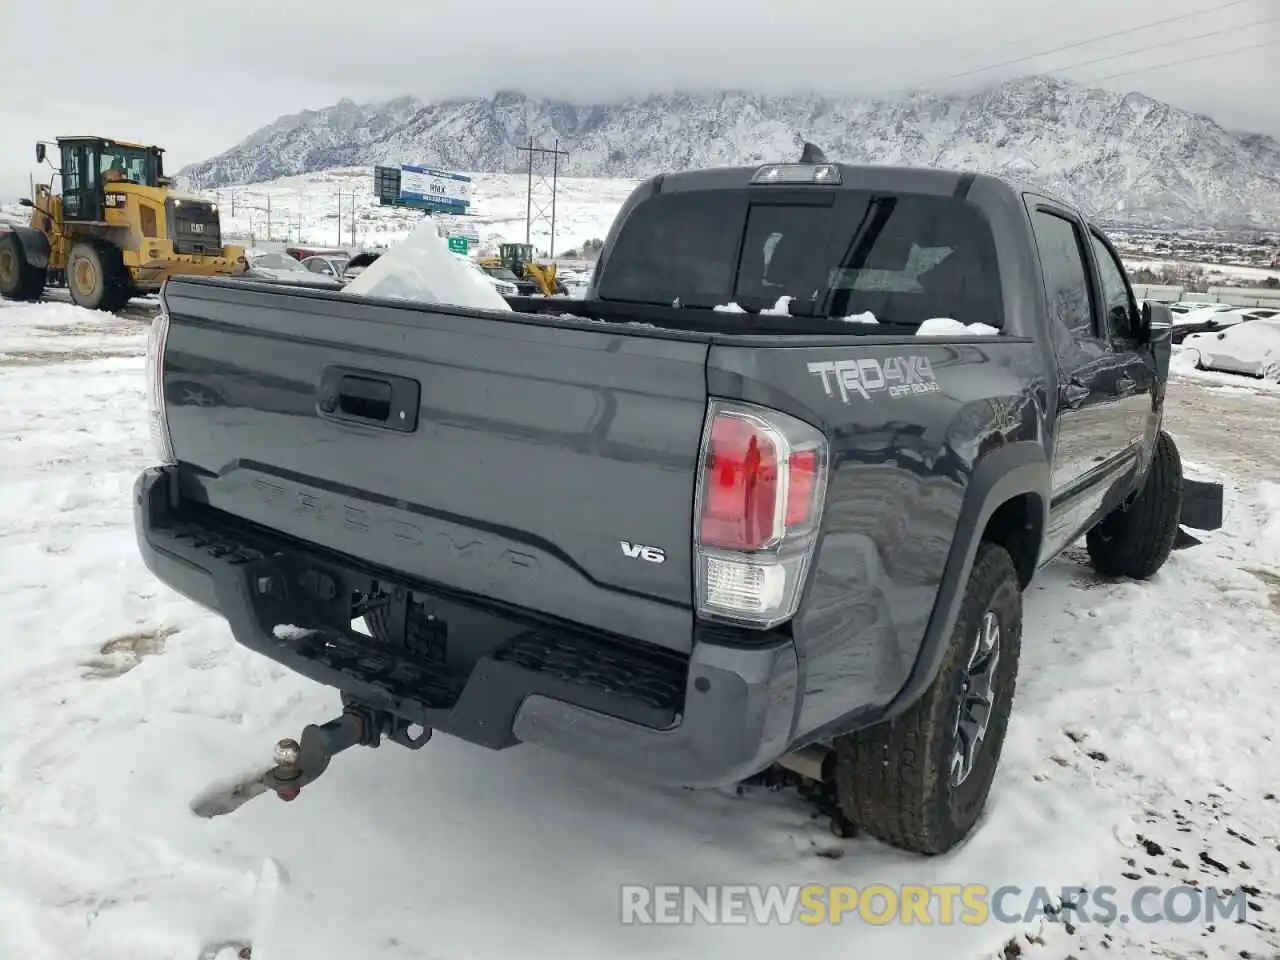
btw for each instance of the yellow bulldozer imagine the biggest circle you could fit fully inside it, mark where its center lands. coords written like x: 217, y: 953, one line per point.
x: 530, y: 277
x: 116, y: 230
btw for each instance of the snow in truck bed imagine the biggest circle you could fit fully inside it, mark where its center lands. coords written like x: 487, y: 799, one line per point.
x: 1144, y: 710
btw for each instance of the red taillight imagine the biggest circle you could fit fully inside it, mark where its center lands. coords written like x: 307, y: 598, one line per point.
x: 749, y: 470
x: 760, y: 494
x: 741, y: 486
x: 803, y: 481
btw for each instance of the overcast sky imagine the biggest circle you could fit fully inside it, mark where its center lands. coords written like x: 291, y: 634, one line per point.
x: 196, y: 78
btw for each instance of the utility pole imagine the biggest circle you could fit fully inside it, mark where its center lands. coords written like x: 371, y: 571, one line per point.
x: 353, y: 217
x: 339, y: 218
x: 540, y: 195
x: 268, y: 218
x: 555, y: 179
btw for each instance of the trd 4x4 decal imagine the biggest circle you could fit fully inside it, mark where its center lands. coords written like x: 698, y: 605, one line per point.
x: 896, y: 376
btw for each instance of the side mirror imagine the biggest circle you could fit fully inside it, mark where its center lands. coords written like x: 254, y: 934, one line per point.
x: 24, y: 202
x: 1155, y: 323
x: 40, y: 154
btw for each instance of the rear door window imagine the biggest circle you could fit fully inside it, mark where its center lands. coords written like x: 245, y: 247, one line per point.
x: 1066, y: 279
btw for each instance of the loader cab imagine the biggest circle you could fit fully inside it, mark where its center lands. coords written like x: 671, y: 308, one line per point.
x: 514, y: 256
x: 89, y: 164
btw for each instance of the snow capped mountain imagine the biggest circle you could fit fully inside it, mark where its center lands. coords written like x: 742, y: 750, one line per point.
x: 1120, y: 157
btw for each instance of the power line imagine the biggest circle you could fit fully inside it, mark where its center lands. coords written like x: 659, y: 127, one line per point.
x: 1166, y: 43
x: 1092, y: 40
x: 1178, y: 63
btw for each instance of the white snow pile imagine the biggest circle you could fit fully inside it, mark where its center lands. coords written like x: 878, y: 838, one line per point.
x: 421, y: 268
x: 947, y: 327
x: 1141, y: 751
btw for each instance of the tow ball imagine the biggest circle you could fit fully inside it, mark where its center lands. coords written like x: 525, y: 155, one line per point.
x: 298, y: 763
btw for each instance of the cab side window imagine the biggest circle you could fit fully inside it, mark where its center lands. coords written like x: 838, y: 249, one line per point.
x: 1118, y: 305
x: 1066, y: 279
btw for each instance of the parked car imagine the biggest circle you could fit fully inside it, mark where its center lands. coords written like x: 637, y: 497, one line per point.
x: 524, y: 286
x: 1253, y: 313
x: 505, y: 287
x: 1186, y: 306
x: 1201, y: 318
x: 1251, y: 347
x: 357, y: 264
x: 575, y: 284
x: 771, y: 493
x: 327, y: 265
x: 301, y: 252
x: 275, y: 267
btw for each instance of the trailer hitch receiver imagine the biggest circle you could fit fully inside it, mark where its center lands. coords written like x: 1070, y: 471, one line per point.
x: 298, y: 763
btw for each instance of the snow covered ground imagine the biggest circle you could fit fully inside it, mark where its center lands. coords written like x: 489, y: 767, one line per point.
x: 1144, y: 711
x: 1214, y: 273
x: 305, y: 209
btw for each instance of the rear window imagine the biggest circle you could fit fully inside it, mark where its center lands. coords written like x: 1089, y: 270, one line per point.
x: 905, y: 258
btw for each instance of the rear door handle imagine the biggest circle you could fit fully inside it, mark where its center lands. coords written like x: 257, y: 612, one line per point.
x: 1125, y: 386
x: 368, y: 397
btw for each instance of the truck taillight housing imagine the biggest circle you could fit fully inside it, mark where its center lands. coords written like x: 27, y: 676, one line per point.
x: 161, y: 442
x: 761, y: 486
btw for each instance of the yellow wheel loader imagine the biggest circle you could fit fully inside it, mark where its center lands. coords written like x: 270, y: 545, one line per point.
x: 531, y: 276
x: 116, y: 230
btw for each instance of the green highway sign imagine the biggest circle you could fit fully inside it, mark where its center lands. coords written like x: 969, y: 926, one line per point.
x: 458, y: 244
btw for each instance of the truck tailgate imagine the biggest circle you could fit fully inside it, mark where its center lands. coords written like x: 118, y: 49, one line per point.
x: 503, y: 458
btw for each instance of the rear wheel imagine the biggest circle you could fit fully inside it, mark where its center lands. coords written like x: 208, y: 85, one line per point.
x: 921, y: 780
x: 96, y: 277
x: 19, y: 280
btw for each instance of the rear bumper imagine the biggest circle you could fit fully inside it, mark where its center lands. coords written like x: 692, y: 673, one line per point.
x: 489, y: 675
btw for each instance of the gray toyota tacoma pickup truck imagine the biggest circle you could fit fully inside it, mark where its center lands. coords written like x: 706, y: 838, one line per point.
x: 686, y: 526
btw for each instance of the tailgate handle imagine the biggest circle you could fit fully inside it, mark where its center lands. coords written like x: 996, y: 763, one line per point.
x: 370, y: 398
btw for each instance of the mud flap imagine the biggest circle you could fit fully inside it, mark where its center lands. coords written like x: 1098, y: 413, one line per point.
x: 1202, y: 507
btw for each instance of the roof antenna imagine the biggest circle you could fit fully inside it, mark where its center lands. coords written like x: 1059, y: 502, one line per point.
x: 812, y: 154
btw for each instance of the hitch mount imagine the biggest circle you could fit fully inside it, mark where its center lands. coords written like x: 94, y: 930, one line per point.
x: 298, y: 763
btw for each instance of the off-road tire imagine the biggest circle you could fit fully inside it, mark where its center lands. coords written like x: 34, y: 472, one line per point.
x: 894, y: 780
x: 96, y: 276
x: 19, y: 280
x: 1135, y: 539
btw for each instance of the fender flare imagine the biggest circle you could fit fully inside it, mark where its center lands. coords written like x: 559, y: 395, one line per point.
x: 1004, y: 473
x: 35, y: 246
